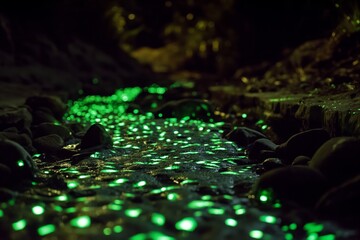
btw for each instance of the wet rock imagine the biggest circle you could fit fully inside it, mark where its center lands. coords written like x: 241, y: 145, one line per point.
x: 75, y: 127
x: 294, y: 184
x: 15, y: 162
x: 342, y: 200
x: 5, y: 174
x: 18, y: 117
x: 261, y: 149
x: 338, y: 158
x: 43, y: 116
x: 186, y: 108
x: 302, y: 144
x: 22, y: 139
x: 244, y: 136
x: 51, y: 143
x: 301, y: 160
x: 54, y: 104
x: 96, y: 136
x: 49, y: 128
x: 272, y: 163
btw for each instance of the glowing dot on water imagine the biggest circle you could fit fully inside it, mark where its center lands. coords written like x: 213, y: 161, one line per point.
x: 72, y: 185
x: 312, y: 236
x: 133, y: 212
x: 46, y: 229
x: 61, y: 198
x: 313, y: 227
x: 263, y: 198
x: 81, y: 222
x: 1, y: 213
x: 231, y: 222
x: 327, y: 237
x: 19, y: 225
x: 289, y: 236
x: 293, y: 226
x: 158, y: 219
x: 117, y: 229
x: 186, y: 224
x: 173, y: 196
x: 121, y: 180
x: 38, y: 210
x: 216, y: 211
x: 268, y: 219
x: 257, y: 234
x: 140, y: 184
x: 20, y: 163
x: 200, y: 204
x: 244, y: 115
x: 107, y: 231
x: 240, y: 211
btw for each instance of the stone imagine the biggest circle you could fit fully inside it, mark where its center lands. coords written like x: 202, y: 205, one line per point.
x: 293, y: 184
x: 53, y: 103
x: 96, y: 136
x: 342, y: 200
x: 186, y: 108
x: 49, y: 128
x: 5, y: 175
x: 301, y: 160
x: 22, y: 139
x: 43, y: 116
x: 18, y: 117
x: 51, y: 143
x: 15, y: 162
x: 272, y: 163
x: 338, y: 159
x: 244, y: 136
x: 302, y: 144
x: 261, y: 149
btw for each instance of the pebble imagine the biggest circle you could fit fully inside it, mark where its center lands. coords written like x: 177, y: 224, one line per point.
x: 301, y: 160
x: 244, y: 136
x: 18, y: 117
x: 338, y: 159
x: 261, y: 149
x: 51, y: 143
x: 16, y: 163
x: 96, y: 136
x: 302, y: 144
x: 43, y: 116
x: 342, y: 200
x: 272, y: 163
x: 53, y: 103
x: 49, y: 128
x: 294, y: 184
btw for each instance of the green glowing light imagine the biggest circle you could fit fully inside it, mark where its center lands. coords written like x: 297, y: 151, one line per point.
x: 240, y: 211
x: 133, y: 212
x: 115, y: 207
x: 257, y: 234
x: 38, y: 210
x: 1, y: 213
x: 20, y: 163
x: 173, y: 196
x: 231, y: 222
x: 154, y: 235
x: 312, y: 236
x: 196, y: 204
x: 19, y: 225
x: 313, y: 227
x: 263, y: 198
x: 186, y: 224
x: 158, y: 219
x: 244, y: 115
x: 268, y: 219
x: 216, y: 211
x: 81, y: 222
x: 289, y: 236
x: 72, y: 185
x: 117, y: 229
x: 62, y: 198
x: 327, y: 237
x: 107, y: 231
x: 293, y: 226
x: 140, y: 184
x: 46, y: 229
x: 121, y: 180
